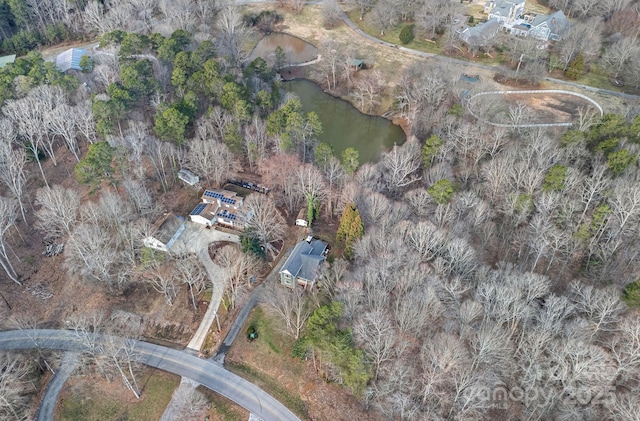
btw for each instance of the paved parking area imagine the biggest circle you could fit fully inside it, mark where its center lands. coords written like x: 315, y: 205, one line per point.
x: 197, y: 237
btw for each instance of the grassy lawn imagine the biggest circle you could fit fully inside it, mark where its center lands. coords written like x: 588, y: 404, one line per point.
x: 273, y: 346
x: 598, y: 81
x: 104, y: 401
x: 393, y: 35
x: 532, y: 6
x: 476, y: 10
x: 271, y: 386
x: 269, y: 334
x: 222, y: 409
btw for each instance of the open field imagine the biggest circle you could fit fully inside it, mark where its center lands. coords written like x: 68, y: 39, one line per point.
x: 538, y: 108
x: 92, y: 398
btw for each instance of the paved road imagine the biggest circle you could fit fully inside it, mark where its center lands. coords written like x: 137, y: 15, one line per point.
x: 48, y: 404
x: 207, y: 373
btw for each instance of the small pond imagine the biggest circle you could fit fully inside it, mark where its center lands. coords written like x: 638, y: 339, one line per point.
x: 343, y: 126
x: 295, y: 50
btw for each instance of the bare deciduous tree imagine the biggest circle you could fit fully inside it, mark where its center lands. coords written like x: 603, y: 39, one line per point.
x: 192, y: 403
x: 211, y: 159
x: 363, y: 6
x: 401, y: 165
x: 378, y: 337
x: 12, y: 172
x: 331, y: 12
x: 293, y: 307
x: 264, y: 221
x: 163, y: 157
x: 193, y: 274
x: 601, y: 307
x: 232, y: 35
x: 8, y: 215
x: 163, y: 282
x: 238, y: 268
x: 13, y: 387
x: 58, y: 210
x: 121, y: 354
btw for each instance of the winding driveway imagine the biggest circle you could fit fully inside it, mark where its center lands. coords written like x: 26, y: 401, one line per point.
x: 207, y: 373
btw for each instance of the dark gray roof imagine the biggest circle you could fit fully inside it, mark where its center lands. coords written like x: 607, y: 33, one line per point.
x: 557, y: 22
x: 168, y: 228
x: 480, y: 34
x: 304, y: 260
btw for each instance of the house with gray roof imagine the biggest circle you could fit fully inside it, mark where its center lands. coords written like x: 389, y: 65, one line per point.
x: 481, y: 34
x: 167, y: 231
x: 301, y: 267
x: 549, y: 27
x: 504, y: 11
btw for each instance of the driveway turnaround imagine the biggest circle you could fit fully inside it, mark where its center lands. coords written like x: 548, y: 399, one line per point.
x: 207, y: 373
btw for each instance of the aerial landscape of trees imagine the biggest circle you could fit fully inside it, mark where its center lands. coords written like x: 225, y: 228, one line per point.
x: 476, y: 272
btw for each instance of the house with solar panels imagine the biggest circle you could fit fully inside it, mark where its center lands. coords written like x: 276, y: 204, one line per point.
x: 70, y: 59
x: 218, y: 206
x: 204, y: 213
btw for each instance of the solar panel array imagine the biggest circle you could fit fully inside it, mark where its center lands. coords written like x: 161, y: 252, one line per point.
x: 225, y: 214
x: 198, y: 209
x: 219, y: 196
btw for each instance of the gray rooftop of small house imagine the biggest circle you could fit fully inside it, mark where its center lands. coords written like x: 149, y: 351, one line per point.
x: 557, y: 22
x: 304, y: 260
x: 168, y: 228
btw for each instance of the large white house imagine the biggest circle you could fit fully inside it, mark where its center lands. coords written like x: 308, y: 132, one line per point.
x: 505, y: 12
x: 508, y: 16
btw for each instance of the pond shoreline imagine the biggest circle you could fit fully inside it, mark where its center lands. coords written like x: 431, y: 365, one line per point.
x: 344, y: 125
x: 299, y: 73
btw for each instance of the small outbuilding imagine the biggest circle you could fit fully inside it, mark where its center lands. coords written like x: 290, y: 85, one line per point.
x: 301, y: 220
x: 167, y: 230
x: 70, y: 59
x: 4, y: 60
x: 188, y: 177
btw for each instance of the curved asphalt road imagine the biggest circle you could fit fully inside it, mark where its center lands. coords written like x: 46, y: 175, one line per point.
x: 207, y: 373
x: 50, y: 398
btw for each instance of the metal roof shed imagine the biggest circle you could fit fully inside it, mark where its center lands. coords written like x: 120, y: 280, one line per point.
x: 70, y: 59
x: 4, y: 60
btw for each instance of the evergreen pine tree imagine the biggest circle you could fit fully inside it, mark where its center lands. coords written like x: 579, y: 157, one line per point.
x: 576, y: 67
x: 345, y: 222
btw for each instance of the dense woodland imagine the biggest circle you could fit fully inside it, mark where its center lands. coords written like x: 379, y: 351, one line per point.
x: 482, y: 268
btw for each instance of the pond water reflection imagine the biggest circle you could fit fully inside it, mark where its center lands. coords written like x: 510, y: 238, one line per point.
x: 343, y: 126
